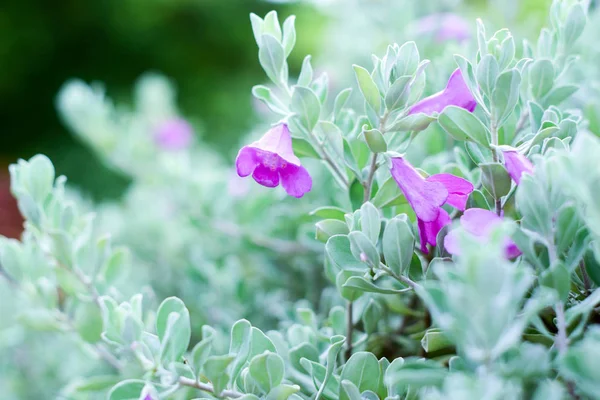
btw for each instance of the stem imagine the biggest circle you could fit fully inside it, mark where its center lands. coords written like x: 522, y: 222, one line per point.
x: 494, y: 132
x: 349, y: 330
x: 562, y: 342
x: 402, y: 279
x: 207, y: 387
x: 369, y: 182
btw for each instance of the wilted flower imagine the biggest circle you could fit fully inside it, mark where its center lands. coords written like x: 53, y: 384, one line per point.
x: 479, y: 223
x: 456, y: 93
x: 516, y: 164
x: 427, y: 195
x: 174, y: 134
x: 444, y: 26
x: 272, y: 159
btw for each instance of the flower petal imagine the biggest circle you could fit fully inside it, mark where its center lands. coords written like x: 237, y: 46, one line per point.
x: 428, y: 231
x: 517, y: 165
x: 456, y: 93
x: 295, y: 180
x: 266, y: 176
x: 458, y: 188
x: 451, y: 242
x: 511, y: 250
x: 246, y: 161
x: 278, y: 140
x: 174, y: 134
x: 424, y: 197
x: 479, y: 222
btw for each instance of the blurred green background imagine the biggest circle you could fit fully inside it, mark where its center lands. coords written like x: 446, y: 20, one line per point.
x: 206, y: 46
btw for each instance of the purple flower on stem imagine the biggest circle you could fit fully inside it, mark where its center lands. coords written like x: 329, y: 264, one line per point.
x: 479, y: 223
x: 444, y: 26
x: 516, y: 164
x: 174, y: 134
x: 427, y: 196
x: 271, y: 160
x: 456, y: 93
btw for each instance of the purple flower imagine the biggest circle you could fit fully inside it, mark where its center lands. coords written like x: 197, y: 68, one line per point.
x: 479, y: 223
x: 456, y: 93
x: 271, y: 160
x: 174, y: 134
x: 426, y: 197
x: 516, y: 164
x: 444, y: 26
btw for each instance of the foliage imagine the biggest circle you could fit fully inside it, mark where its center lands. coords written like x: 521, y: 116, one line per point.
x: 378, y: 284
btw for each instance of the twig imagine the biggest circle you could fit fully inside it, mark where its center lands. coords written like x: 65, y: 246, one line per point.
x: 562, y: 342
x: 402, y: 279
x: 349, y: 330
x: 207, y: 387
x: 369, y: 182
x: 108, y: 357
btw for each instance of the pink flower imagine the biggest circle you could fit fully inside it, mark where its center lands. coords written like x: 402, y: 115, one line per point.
x: 516, y: 164
x: 271, y: 160
x: 426, y: 197
x: 174, y: 134
x: 479, y: 223
x: 444, y: 26
x: 456, y: 93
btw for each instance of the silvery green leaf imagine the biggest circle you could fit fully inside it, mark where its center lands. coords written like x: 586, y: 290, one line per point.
x: 215, y: 369
x: 329, y: 213
x: 265, y: 95
x: 463, y: 125
x: 375, y: 140
x: 307, y: 107
x: 175, y: 336
x: 559, y: 94
x: 303, y: 350
x: 303, y: 148
x: 289, y: 35
x: 407, y: 60
x: 414, y: 373
x: 328, y: 228
x: 368, y: 88
x: 363, y: 249
x: 370, y: 222
x: 11, y: 258
x: 371, y: 316
x: 579, y: 364
x: 321, y: 87
x: 505, y: 95
x: 557, y: 277
x: 388, y: 195
x: 272, y: 57
x: 362, y: 369
x: 574, y: 24
x: 284, y: 392
x: 201, y: 352
x: 338, y: 250
x: 239, y: 346
x: 466, y: 68
x: 507, y: 52
x: 495, y: 179
x: 267, y: 370
x: 413, y: 122
x: 549, y: 390
x: 360, y: 283
x: 536, y: 113
x: 397, y: 95
x: 487, y: 72
x: 332, y: 353
x: 340, y: 101
x: 88, y: 322
x: 306, y: 72
x: 257, y: 27
x: 349, y: 293
x: 435, y: 340
x: 129, y: 389
x: 349, y: 391
x: 398, y: 244
x: 271, y: 25
x: 481, y: 39
x: 541, y: 78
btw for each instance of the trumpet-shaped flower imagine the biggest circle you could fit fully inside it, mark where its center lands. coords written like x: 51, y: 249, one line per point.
x: 427, y: 195
x: 456, y: 93
x: 516, y: 164
x: 444, y: 26
x: 174, y: 134
x: 271, y: 160
x: 479, y: 223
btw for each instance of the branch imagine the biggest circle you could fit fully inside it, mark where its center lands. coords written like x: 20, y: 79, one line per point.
x: 402, y: 279
x: 207, y: 387
x: 349, y: 330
